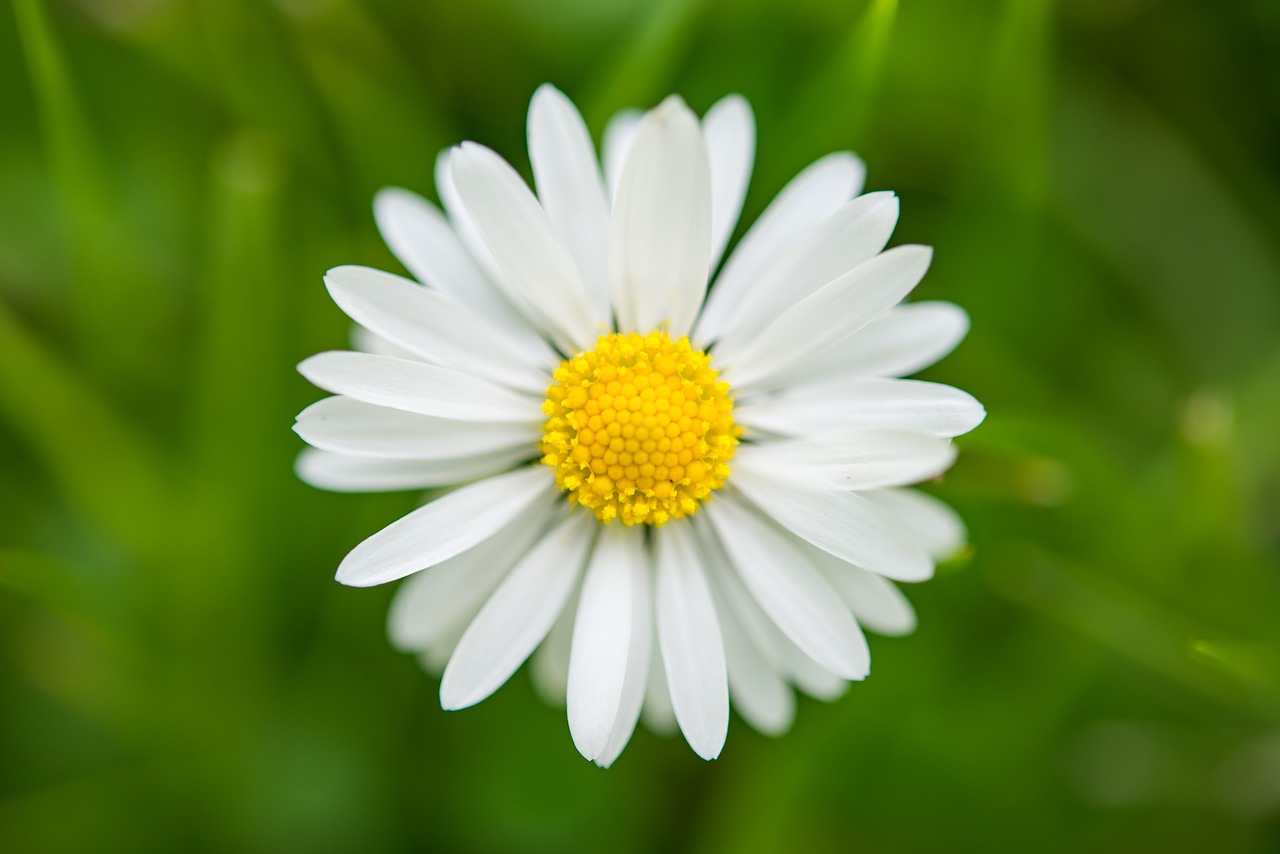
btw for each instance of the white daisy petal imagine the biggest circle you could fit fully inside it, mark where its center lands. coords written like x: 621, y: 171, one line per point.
x: 517, y: 231
x: 657, y: 713
x: 860, y: 403
x: 438, y: 329
x: 549, y: 666
x: 756, y: 688
x: 777, y: 649
x: 875, y: 600
x: 538, y: 270
x: 433, y: 607
x: 603, y: 638
x: 855, y: 298
x: 422, y: 238
x: 809, y: 676
x: 938, y: 528
x: 417, y: 387
x: 905, y: 339
x: 729, y: 129
x: 852, y: 459
x: 807, y: 200
x: 660, y: 232
x: 854, y: 234
x: 469, y: 234
x: 790, y: 590
x: 443, y: 528
x: 348, y: 426
x: 619, y: 133
x: 571, y: 190
x: 434, y: 658
x: 636, y: 679
x: 553, y: 327
x: 367, y: 342
x: 517, y: 616
x: 690, y: 641
x: 842, y: 523
x: 345, y: 473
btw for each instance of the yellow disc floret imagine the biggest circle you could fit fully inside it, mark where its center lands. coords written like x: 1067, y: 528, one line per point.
x: 639, y: 429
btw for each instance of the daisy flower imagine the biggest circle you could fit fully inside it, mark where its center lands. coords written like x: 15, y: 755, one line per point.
x: 670, y: 493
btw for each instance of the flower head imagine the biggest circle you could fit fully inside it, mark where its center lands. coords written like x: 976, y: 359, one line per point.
x: 670, y: 494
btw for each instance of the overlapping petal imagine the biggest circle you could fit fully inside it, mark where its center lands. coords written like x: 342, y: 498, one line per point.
x: 417, y: 387
x: 607, y: 643
x: 811, y: 197
x: 518, y: 615
x: 660, y: 231
x: 535, y: 263
x: 769, y: 585
x: 446, y: 527
x: 690, y: 641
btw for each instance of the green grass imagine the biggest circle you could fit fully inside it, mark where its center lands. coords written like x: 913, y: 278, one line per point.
x: 178, y: 670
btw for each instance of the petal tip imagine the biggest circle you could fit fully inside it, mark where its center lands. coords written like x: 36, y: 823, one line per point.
x: 453, y: 699
x: 710, y: 752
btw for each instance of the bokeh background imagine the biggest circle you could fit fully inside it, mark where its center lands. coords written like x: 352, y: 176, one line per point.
x: 178, y: 670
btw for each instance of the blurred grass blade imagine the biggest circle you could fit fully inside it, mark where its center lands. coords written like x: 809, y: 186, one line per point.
x: 1128, y: 624
x: 107, y: 470
x: 1014, y: 153
x: 387, y: 123
x: 237, y: 417
x: 1202, y: 267
x: 843, y: 92
x: 257, y: 74
x: 109, y: 290
x: 643, y: 72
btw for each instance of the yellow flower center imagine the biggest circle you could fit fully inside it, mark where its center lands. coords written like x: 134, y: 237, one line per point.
x: 638, y: 429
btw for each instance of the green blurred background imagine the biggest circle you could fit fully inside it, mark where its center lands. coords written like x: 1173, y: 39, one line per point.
x: 179, y: 671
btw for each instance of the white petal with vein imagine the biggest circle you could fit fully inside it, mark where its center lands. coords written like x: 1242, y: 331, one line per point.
x: 619, y: 133
x: 939, y: 528
x: 657, y: 713
x: 689, y: 637
x: 603, y: 635
x: 791, y: 590
x: 807, y: 200
x: 436, y: 605
x: 855, y: 233
x: 729, y: 129
x: 875, y: 600
x: 517, y: 616
x: 445, y: 527
x: 840, y: 404
x: 535, y: 262
x: 778, y: 650
x: 842, y: 523
x: 852, y: 459
x: 424, y: 241
x: 756, y: 689
x: 571, y: 189
x: 467, y: 232
x: 348, y: 426
x: 365, y: 341
x: 636, y: 679
x: 417, y: 387
x: 905, y: 339
x: 832, y: 313
x: 437, y: 328
x: 549, y: 666
x: 345, y: 473
x: 660, y: 231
